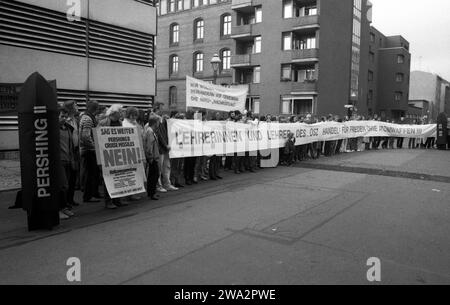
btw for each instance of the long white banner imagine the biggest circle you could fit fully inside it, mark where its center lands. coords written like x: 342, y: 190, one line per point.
x: 200, y: 94
x: 191, y: 138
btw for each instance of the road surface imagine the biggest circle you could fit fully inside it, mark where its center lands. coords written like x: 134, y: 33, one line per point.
x: 314, y: 223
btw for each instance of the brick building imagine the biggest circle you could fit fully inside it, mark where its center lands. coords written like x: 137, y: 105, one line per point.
x: 297, y: 56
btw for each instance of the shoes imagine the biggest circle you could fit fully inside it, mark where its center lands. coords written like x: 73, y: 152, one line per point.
x: 189, y: 182
x: 219, y: 177
x: 179, y: 185
x: 161, y: 190
x: 133, y: 198
x: 110, y: 206
x: 171, y: 188
x: 154, y: 197
x: 74, y: 204
x: 120, y: 204
x: 204, y: 178
x: 68, y: 212
x: 195, y: 181
x: 92, y: 200
x: 63, y: 216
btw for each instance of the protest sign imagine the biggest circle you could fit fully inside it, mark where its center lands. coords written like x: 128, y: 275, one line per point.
x: 192, y: 138
x: 119, y: 152
x: 200, y: 94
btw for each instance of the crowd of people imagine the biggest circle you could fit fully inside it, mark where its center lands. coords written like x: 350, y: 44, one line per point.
x: 81, y: 172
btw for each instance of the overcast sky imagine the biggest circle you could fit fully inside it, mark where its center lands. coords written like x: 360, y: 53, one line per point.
x: 425, y: 24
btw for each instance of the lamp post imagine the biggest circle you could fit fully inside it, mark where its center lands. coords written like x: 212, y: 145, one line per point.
x: 215, y: 63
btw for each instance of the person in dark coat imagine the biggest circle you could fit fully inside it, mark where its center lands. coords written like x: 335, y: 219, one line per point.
x: 151, y: 149
x: 90, y: 174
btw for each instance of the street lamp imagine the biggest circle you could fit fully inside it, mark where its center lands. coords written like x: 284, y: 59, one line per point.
x: 215, y: 63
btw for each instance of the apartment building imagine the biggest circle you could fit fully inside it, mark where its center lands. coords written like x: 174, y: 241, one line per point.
x: 296, y: 56
x: 432, y: 88
x: 100, y: 53
x: 389, y: 75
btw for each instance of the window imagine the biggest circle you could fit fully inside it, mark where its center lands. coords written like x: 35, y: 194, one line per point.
x: 171, y: 6
x: 370, y: 76
x: 311, y: 10
x: 398, y: 96
x: 256, y: 75
x: 253, y: 103
x: 195, y: 3
x: 198, y: 62
x: 257, y: 45
x: 286, y: 107
x: 225, y: 56
x: 371, y: 57
x: 172, y: 96
x: 174, y: 34
x: 400, y: 59
x: 288, y: 9
x: 399, y: 77
x: 286, y: 73
x: 369, y: 97
x: 199, y: 29
x: 258, y: 14
x: 179, y: 5
x: 287, y: 41
x: 304, y: 75
x: 226, y: 25
x: 173, y: 64
x: 372, y: 37
x: 306, y: 43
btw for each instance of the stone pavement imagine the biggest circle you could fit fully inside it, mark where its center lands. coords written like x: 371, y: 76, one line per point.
x: 9, y: 175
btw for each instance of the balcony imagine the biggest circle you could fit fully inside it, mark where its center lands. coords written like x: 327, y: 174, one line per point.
x: 303, y: 87
x: 236, y: 4
x: 306, y: 55
x: 244, y: 4
x: 241, y: 31
x: 242, y: 60
x: 305, y: 22
x: 254, y: 89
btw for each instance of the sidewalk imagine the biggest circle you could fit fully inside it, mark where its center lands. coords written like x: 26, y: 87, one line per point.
x: 416, y: 161
x: 9, y: 175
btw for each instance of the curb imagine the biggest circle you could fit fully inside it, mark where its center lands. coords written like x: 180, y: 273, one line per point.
x: 10, y: 190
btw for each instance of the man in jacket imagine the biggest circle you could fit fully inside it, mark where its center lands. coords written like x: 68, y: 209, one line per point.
x: 90, y: 171
x: 164, y: 183
x: 151, y: 149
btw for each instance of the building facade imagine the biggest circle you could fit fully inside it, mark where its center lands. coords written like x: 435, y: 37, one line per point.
x: 432, y: 88
x: 93, y: 51
x: 296, y: 56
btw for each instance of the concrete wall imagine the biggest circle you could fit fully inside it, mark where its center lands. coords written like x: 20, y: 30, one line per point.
x: 71, y: 72
x: 139, y: 16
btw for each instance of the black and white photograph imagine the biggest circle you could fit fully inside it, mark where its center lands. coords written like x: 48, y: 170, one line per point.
x: 224, y: 150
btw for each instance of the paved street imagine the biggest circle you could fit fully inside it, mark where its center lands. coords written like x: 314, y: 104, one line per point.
x: 315, y: 223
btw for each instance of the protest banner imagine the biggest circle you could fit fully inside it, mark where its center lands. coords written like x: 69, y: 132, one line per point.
x: 192, y: 138
x: 200, y: 94
x: 119, y: 151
